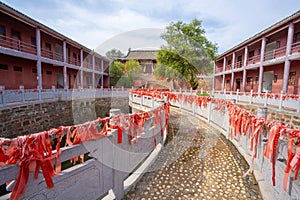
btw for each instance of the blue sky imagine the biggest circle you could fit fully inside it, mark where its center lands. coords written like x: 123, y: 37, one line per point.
x: 104, y: 24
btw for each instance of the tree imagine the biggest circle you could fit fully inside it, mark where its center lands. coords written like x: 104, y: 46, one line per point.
x: 187, y: 51
x: 124, y: 74
x: 116, y: 71
x: 114, y: 54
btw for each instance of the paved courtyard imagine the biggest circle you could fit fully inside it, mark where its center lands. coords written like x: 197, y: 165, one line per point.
x: 197, y: 162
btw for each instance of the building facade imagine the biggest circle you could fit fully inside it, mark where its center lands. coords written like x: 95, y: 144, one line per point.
x: 146, y: 58
x: 35, y: 56
x: 266, y: 62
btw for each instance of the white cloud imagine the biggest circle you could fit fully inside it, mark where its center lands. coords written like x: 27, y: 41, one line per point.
x: 93, y: 22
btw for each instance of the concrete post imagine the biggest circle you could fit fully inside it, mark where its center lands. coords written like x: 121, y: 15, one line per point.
x: 262, y: 140
x: 298, y: 107
x: 214, y: 78
x: 65, y: 65
x: 102, y: 71
x: 81, y: 68
x: 39, y: 62
x: 266, y: 100
x: 244, y: 70
x: 224, y: 68
x: 232, y: 73
x: 237, y: 95
x: 287, y: 62
x: 261, y: 68
x: 250, y: 99
x: 280, y: 100
x: 93, y: 73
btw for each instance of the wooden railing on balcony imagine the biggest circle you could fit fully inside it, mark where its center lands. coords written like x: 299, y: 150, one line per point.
x: 295, y: 48
x: 238, y: 64
x: 219, y: 69
x: 228, y: 67
x: 52, y: 55
x: 74, y: 61
x: 17, y: 45
x: 253, y: 60
x: 276, y: 53
x: 87, y: 65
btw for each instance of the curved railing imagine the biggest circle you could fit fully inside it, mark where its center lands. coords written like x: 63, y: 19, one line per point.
x: 119, y: 149
x: 259, y: 140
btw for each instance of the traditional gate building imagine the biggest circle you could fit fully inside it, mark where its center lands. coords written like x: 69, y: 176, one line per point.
x: 268, y: 61
x: 33, y: 55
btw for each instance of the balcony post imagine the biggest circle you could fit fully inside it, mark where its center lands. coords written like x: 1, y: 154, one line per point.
x: 93, y: 73
x: 81, y: 68
x: 244, y: 70
x: 65, y: 65
x: 38, y: 62
x: 261, y: 67
x: 287, y: 62
x: 214, y: 77
x: 102, y: 71
x: 224, y: 68
x: 232, y: 73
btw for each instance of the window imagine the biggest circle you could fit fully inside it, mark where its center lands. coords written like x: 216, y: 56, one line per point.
x: 89, y: 80
x: 228, y: 62
x: 292, y: 78
x: 3, y: 67
x: 33, y: 42
x: 2, y: 32
x: 48, y: 46
x: 251, y: 54
x: 277, y: 44
x: 258, y: 51
x: 275, y: 78
x: 239, y: 60
x: 18, y: 69
x: 249, y: 80
x: 48, y: 72
x: 34, y: 70
x: 256, y: 79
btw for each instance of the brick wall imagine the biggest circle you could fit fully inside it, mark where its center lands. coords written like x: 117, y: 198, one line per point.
x: 41, y: 117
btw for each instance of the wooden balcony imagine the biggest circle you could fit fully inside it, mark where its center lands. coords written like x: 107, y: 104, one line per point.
x: 253, y: 60
x: 17, y: 45
x: 276, y: 53
x: 295, y: 48
x: 52, y: 55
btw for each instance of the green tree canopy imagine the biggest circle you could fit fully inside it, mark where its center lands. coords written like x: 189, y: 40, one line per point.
x: 116, y: 71
x: 187, y: 51
x: 114, y: 54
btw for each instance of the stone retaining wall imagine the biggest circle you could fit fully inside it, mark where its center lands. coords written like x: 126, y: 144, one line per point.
x: 34, y: 118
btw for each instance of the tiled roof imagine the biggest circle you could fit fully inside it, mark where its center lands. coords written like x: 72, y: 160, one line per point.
x: 141, y: 55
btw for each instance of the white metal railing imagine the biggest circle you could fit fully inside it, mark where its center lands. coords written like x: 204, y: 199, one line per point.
x: 19, y: 97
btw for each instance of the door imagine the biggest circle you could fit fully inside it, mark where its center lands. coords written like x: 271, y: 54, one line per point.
x: 59, y: 81
x: 16, y: 39
x: 267, y: 81
x: 58, y: 52
x: 238, y: 84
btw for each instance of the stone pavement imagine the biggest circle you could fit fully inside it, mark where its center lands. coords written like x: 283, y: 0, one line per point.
x: 197, y: 162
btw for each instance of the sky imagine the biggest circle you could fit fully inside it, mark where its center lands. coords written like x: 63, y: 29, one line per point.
x: 138, y: 24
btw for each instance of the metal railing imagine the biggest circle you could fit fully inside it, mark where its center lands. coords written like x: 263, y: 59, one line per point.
x: 17, y: 45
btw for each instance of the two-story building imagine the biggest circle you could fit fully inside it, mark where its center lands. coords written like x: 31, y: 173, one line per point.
x: 268, y: 61
x: 33, y: 55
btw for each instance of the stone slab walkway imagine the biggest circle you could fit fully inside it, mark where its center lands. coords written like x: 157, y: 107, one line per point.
x: 197, y: 162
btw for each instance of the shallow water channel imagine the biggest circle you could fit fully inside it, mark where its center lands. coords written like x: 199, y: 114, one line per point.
x: 197, y: 162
